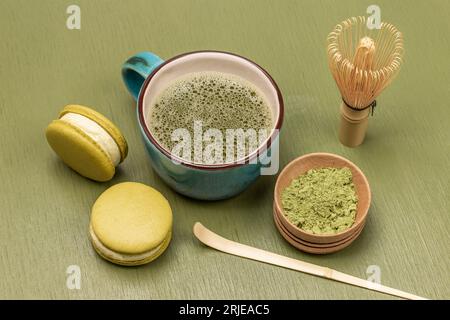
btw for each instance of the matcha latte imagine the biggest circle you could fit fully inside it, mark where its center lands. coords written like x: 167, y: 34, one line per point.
x: 212, y: 100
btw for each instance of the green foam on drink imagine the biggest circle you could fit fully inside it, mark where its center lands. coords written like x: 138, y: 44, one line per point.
x: 219, y: 100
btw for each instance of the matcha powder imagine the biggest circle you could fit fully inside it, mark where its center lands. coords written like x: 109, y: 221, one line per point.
x: 321, y: 201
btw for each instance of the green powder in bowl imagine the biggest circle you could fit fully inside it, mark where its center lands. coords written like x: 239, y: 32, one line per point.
x: 321, y: 201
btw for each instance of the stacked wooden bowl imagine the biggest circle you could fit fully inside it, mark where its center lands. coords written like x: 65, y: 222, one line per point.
x: 315, y: 243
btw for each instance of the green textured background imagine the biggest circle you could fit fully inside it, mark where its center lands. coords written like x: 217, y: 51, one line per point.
x: 45, y: 207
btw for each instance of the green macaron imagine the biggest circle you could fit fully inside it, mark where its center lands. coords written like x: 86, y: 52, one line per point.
x: 87, y: 142
x: 131, y: 224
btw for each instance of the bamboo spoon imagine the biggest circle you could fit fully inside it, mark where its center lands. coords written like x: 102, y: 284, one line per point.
x: 217, y: 242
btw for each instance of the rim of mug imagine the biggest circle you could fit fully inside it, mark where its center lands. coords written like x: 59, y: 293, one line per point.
x: 261, y: 148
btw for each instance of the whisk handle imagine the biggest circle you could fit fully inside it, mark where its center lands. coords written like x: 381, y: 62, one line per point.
x: 353, y: 127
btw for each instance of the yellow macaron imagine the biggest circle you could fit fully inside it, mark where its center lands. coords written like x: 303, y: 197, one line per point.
x: 131, y: 224
x: 87, y: 142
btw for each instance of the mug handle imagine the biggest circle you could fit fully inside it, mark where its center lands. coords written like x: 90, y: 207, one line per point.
x: 137, y: 68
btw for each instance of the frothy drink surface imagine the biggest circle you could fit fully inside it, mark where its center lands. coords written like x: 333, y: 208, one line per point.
x: 219, y: 100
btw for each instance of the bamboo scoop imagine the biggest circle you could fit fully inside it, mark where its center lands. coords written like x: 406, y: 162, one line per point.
x: 217, y: 242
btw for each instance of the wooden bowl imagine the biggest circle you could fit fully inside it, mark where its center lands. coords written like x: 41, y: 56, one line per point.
x: 314, y: 249
x: 287, y: 225
x: 276, y: 218
x: 323, y: 160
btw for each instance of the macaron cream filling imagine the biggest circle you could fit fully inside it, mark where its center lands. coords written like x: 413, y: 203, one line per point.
x: 97, y: 133
x: 122, y: 256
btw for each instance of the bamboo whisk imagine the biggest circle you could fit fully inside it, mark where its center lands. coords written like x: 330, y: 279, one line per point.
x: 363, y: 63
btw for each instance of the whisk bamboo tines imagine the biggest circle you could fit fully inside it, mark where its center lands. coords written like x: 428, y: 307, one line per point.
x: 363, y: 62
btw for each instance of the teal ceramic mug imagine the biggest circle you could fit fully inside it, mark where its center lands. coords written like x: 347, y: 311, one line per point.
x: 146, y: 75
